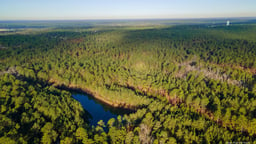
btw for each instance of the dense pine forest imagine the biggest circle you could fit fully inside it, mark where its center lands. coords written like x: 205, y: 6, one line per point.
x: 185, y: 83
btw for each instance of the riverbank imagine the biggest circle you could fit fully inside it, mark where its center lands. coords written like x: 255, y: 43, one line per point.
x: 93, y: 94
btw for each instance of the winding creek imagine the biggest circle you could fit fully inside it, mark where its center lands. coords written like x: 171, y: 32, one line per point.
x: 97, y: 109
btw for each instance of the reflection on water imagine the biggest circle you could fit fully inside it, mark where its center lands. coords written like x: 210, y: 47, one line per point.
x: 98, y: 110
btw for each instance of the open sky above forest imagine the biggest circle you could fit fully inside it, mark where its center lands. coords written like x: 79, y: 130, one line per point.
x: 124, y: 9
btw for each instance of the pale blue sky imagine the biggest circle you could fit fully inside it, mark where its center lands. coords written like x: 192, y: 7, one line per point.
x: 124, y: 9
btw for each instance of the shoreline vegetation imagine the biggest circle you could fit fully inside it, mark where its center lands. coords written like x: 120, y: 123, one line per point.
x: 173, y: 100
x: 185, y: 84
x: 93, y: 94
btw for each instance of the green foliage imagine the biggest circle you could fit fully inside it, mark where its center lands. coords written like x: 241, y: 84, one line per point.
x: 32, y: 111
x: 189, y: 84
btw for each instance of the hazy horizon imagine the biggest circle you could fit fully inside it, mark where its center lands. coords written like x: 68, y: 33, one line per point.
x: 135, y: 19
x: 124, y: 9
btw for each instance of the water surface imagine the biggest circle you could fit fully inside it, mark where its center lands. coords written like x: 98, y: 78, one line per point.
x: 97, y: 109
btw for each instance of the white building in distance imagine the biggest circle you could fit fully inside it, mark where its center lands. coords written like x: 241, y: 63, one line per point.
x: 228, y: 23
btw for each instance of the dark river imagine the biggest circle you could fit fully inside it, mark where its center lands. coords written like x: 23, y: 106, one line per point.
x: 97, y: 109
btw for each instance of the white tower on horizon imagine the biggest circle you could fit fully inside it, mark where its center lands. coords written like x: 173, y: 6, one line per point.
x: 228, y: 23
